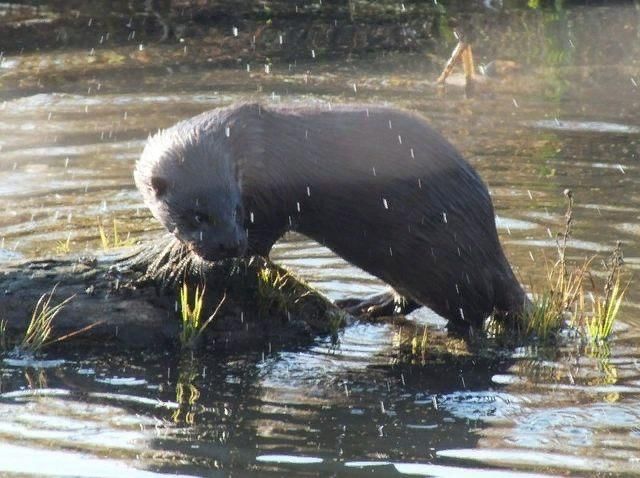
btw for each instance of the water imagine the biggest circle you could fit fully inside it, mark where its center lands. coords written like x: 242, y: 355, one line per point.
x: 567, y: 119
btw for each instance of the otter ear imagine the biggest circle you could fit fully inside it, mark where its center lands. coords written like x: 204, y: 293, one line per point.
x: 159, y: 185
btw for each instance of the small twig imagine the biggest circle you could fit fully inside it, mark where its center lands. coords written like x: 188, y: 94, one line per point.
x: 212, y: 316
x: 73, y: 334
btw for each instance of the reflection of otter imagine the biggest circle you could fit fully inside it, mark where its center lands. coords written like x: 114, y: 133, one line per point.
x: 377, y: 186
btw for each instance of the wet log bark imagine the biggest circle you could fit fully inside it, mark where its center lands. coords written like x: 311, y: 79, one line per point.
x: 129, y: 299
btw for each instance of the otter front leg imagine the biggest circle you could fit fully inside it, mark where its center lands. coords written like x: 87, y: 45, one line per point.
x: 379, y: 305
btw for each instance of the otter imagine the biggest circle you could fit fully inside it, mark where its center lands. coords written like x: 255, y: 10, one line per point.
x: 376, y: 185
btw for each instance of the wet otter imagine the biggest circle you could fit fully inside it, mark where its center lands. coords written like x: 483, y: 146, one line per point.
x: 376, y: 185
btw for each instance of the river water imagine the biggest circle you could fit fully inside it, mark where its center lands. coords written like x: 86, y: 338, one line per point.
x: 72, y: 124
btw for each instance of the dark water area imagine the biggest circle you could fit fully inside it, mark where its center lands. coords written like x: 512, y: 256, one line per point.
x: 76, y: 107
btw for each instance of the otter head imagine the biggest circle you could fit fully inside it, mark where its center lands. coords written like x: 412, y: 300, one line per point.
x: 188, y: 180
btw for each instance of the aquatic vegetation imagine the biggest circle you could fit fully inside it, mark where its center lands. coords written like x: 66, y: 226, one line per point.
x: 114, y: 240
x: 41, y: 323
x: 563, y: 287
x: 63, y: 247
x: 599, y: 325
x: 545, y: 317
x: 191, y: 315
x: 563, y: 296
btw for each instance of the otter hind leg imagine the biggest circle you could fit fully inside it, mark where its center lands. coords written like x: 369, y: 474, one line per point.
x: 379, y: 305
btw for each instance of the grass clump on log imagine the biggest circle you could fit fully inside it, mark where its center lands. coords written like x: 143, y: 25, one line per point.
x: 273, y: 290
x: 191, y: 315
x: 41, y: 324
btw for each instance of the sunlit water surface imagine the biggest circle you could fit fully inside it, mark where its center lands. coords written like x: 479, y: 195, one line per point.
x: 66, y: 159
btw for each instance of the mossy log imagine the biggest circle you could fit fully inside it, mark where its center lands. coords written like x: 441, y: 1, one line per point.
x: 129, y: 299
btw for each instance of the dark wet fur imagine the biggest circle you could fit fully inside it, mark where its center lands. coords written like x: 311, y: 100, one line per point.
x: 454, y: 265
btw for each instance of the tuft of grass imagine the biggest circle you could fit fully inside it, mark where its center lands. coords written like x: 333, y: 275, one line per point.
x: 191, y: 315
x: 564, y: 294
x: 41, y: 323
x: 545, y: 316
x: 599, y: 325
x: 419, y: 344
x: 63, y: 247
x: 114, y: 240
x: 273, y: 291
x: 563, y: 289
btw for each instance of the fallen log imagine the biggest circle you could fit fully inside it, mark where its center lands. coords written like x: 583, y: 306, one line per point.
x: 129, y: 299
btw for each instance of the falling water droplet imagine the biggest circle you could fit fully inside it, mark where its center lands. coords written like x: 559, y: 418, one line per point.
x: 385, y: 203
